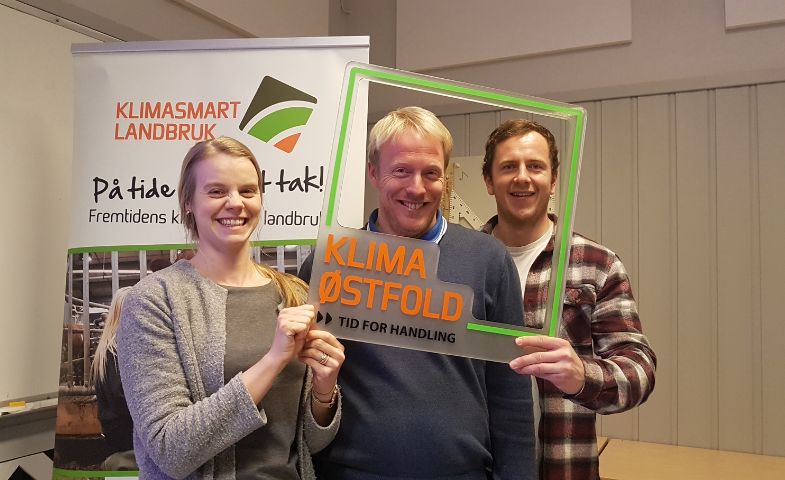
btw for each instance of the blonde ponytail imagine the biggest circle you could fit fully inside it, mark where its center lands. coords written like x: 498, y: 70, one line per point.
x: 108, y: 342
x: 293, y: 291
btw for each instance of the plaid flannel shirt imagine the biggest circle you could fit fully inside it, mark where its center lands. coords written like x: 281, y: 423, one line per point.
x: 600, y: 319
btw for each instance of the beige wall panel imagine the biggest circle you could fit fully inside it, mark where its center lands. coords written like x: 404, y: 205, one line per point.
x: 738, y: 322
x: 588, y: 214
x: 505, y: 115
x: 456, y: 124
x: 480, y: 126
x: 771, y: 153
x: 619, y: 222
x: 697, y: 395
x: 588, y: 211
x: 619, y: 179
x: 656, y: 291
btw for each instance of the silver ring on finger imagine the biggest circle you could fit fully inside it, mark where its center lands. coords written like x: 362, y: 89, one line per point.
x: 323, y: 358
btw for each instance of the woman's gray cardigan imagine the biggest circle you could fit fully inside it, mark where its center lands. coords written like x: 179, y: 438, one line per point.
x: 171, y: 345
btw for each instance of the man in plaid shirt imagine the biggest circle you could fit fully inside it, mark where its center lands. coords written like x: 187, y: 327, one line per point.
x: 602, y: 362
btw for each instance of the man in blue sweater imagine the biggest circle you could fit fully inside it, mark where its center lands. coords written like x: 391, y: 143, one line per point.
x: 409, y: 414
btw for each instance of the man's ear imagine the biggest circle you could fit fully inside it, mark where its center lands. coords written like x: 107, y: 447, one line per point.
x: 554, y: 180
x: 488, y: 185
x: 373, y: 174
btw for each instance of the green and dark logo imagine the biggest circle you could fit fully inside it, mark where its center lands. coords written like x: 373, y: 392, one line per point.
x: 278, y: 113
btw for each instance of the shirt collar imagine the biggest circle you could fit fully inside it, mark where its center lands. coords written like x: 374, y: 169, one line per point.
x: 494, y: 220
x: 434, y: 235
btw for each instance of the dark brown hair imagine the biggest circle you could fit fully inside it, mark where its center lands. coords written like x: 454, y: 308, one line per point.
x: 517, y: 128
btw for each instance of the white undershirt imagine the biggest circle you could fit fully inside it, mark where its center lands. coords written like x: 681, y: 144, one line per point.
x: 524, y: 258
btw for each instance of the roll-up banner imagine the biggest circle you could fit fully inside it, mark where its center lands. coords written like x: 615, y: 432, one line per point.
x: 139, y: 107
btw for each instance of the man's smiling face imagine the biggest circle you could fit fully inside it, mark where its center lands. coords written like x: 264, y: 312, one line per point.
x: 522, y: 180
x: 410, y: 179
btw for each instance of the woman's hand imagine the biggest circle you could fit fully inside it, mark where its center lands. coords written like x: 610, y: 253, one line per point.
x: 291, y: 331
x: 324, y: 354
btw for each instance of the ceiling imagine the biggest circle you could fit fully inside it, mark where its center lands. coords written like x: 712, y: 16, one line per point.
x: 142, y: 20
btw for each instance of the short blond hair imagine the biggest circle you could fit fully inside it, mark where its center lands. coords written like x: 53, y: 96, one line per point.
x: 420, y: 120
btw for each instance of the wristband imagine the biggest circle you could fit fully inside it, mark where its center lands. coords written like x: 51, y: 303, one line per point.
x: 329, y: 404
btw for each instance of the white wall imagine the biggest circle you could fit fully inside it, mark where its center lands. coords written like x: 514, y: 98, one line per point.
x: 36, y: 132
x: 429, y: 32
x: 194, y: 19
x: 139, y: 20
x: 271, y: 18
x: 676, y: 45
x: 375, y: 18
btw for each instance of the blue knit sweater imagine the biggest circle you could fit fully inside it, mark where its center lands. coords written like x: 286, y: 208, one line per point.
x: 412, y: 414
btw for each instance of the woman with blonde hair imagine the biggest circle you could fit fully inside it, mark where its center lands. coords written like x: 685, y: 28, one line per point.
x: 224, y: 375
x: 113, y: 412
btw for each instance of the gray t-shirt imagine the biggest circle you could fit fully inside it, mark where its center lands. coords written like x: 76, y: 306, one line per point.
x: 269, y: 452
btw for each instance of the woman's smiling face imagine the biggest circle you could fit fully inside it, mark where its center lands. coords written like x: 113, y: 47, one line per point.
x: 226, y: 203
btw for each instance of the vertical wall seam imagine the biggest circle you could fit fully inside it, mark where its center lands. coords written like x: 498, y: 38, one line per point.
x: 674, y: 270
x: 756, y: 298
x: 713, y: 254
x: 635, y: 224
x: 598, y: 205
x: 598, y: 163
